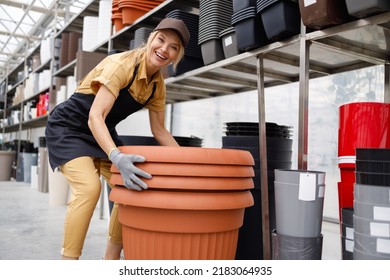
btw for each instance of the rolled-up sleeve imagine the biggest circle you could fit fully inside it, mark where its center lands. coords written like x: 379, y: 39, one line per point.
x: 111, y: 75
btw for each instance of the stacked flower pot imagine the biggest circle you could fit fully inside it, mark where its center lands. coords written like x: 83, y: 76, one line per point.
x: 245, y: 136
x: 371, y: 217
x: 194, y: 205
x: 116, y: 16
x: 281, y: 18
x: 361, y: 125
x: 347, y: 236
x: 214, y: 17
x: 132, y: 9
x: 323, y: 14
x: 248, y: 26
x: 299, y: 199
x: 137, y: 140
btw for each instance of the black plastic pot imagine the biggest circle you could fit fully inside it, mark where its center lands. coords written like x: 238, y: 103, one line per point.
x: 250, y: 32
x: 346, y: 235
x: 281, y: 20
x: 238, y: 5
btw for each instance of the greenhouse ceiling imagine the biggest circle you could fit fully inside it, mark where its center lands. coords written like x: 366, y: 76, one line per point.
x: 24, y: 23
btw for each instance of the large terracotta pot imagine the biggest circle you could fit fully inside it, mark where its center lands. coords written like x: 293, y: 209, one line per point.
x: 180, y: 225
x: 185, y: 217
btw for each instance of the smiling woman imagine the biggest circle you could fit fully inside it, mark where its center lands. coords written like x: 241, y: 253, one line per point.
x: 81, y: 132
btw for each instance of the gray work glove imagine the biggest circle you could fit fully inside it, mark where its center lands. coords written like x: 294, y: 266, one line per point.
x: 125, y: 164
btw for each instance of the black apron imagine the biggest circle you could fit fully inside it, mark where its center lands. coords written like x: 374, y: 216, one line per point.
x: 67, y: 133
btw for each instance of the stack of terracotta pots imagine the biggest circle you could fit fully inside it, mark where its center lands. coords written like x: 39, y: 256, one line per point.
x: 194, y: 205
x: 132, y: 9
x: 116, y: 16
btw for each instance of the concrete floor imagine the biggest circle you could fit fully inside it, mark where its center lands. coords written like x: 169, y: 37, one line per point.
x: 31, y: 229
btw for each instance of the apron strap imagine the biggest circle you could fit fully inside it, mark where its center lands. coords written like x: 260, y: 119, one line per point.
x: 132, y: 80
x: 151, y: 96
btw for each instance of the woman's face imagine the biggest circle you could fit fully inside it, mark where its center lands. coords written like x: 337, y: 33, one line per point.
x: 163, y: 50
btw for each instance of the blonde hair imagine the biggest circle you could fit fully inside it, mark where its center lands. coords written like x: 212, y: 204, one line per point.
x: 180, y: 55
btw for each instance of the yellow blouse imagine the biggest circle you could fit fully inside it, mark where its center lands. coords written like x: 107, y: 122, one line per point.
x: 116, y: 71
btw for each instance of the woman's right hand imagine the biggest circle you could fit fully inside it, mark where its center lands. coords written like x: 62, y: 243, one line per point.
x: 129, y: 172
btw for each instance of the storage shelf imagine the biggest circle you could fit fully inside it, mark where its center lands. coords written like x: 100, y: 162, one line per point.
x: 350, y: 46
x: 76, y: 23
x: 67, y: 70
x: 45, y: 66
x: 33, y: 123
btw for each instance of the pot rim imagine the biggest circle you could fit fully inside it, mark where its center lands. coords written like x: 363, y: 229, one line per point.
x: 171, y: 154
x: 179, y: 200
x: 191, y: 182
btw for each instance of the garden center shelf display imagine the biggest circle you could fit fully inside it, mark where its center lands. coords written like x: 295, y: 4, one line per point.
x: 287, y: 52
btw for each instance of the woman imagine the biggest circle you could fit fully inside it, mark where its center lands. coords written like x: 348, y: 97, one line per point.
x: 81, y: 136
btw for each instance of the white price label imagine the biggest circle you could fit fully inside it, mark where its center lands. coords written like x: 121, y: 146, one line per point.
x: 307, y: 187
x: 228, y: 41
x: 309, y: 2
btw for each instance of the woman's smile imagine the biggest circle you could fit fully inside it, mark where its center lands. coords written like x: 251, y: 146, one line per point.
x: 163, y: 50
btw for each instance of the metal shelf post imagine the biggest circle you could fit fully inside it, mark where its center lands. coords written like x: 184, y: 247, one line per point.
x: 263, y: 159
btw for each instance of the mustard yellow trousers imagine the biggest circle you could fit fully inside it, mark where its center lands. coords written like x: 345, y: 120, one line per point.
x: 83, y: 175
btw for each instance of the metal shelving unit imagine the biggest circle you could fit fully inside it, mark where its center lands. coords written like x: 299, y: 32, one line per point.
x: 350, y: 46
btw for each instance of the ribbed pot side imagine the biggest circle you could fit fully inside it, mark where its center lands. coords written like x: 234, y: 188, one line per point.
x: 180, y: 225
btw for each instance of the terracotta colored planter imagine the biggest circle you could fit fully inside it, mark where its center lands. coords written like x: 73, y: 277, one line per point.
x: 116, y: 20
x: 142, y: 5
x: 131, y: 14
x: 132, y: 10
x: 183, y: 216
x: 180, y: 225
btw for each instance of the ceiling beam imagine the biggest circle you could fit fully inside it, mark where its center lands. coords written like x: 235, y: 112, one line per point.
x: 28, y: 37
x: 17, y: 4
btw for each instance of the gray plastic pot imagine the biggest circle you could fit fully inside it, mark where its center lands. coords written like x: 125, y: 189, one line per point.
x: 296, y: 217
x: 372, y: 194
x: 372, y: 211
